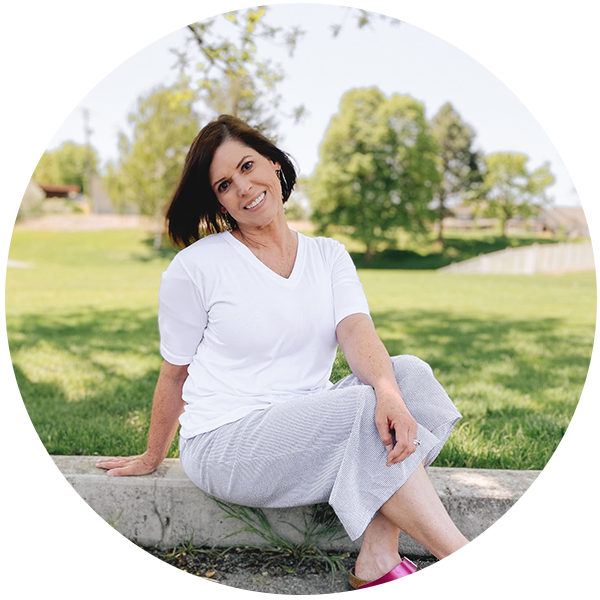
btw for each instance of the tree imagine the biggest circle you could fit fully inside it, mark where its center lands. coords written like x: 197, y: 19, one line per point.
x: 377, y: 168
x: 233, y: 79
x: 238, y: 96
x: 510, y: 190
x: 150, y: 163
x: 66, y: 165
x: 73, y: 161
x: 461, y: 167
x: 580, y: 72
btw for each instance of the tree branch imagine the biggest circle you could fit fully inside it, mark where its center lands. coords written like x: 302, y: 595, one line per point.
x: 182, y: 18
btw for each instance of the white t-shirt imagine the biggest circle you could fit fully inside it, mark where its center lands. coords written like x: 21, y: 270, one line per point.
x: 251, y: 337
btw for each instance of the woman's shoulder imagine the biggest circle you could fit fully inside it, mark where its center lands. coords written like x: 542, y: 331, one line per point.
x: 206, y: 246
x: 207, y: 251
x: 326, y: 246
x: 323, y: 244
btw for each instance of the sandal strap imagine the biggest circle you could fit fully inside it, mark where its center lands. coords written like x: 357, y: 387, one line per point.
x: 406, y: 567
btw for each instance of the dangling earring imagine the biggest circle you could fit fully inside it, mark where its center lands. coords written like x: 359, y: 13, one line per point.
x: 283, y: 182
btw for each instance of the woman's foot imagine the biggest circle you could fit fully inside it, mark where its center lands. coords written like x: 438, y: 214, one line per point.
x: 373, y: 565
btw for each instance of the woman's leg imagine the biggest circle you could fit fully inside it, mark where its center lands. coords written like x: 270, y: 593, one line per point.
x: 379, y: 550
x: 416, y: 509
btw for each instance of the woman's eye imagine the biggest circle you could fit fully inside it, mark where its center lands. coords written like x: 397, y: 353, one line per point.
x: 247, y: 166
x: 222, y: 187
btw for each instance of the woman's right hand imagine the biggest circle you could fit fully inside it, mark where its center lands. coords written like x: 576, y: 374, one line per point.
x: 120, y: 466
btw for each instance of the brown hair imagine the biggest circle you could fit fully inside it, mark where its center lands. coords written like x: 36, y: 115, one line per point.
x: 194, y: 209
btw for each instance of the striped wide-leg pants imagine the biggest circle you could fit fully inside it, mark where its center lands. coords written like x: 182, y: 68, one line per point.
x: 322, y: 447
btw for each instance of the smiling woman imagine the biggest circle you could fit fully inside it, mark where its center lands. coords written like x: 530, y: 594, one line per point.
x: 250, y: 319
x: 210, y: 170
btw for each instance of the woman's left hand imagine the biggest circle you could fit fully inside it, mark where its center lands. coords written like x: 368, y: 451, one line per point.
x: 392, y: 415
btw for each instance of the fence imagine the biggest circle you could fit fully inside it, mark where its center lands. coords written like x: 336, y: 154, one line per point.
x: 528, y: 260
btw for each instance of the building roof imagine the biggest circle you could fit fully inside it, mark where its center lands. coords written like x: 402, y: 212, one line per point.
x: 59, y: 188
x: 571, y: 215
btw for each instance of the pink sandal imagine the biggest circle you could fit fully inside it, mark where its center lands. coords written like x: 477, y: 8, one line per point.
x: 394, y: 583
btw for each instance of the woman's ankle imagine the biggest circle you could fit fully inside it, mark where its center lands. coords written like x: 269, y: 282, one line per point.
x: 373, y: 563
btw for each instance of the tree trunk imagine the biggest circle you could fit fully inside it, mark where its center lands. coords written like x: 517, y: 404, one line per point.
x: 440, y: 238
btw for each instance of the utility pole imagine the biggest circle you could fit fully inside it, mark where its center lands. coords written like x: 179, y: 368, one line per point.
x: 87, y: 132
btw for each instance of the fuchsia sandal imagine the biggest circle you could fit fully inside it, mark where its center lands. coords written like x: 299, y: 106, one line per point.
x: 394, y: 583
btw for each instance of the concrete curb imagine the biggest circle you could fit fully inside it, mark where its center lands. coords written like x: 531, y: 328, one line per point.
x: 167, y: 509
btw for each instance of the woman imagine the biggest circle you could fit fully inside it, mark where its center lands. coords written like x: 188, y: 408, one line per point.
x: 250, y: 318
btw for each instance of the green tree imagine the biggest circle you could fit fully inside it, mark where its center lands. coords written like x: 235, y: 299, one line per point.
x: 72, y: 163
x: 510, y: 190
x: 580, y: 73
x: 238, y: 96
x: 233, y: 79
x: 68, y: 164
x: 377, y: 169
x: 461, y: 167
x: 150, y: 163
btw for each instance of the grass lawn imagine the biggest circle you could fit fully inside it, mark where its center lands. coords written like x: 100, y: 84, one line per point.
x: 512, y: 351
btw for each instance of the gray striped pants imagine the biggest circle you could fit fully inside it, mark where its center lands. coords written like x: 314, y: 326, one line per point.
x: 322, y: 447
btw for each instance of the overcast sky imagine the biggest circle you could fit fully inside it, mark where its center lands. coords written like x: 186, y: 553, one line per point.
x: 494, y: 62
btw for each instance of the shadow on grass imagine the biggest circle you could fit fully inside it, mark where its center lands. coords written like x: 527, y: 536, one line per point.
x: 517, y: 382
x: 166, y: 251
x: 455, y: 250
x: 87, y: 379
x: 539, y: 351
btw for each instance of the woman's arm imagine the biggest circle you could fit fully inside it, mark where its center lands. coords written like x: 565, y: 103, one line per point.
x: 370, y: 362
x: 167, y: 406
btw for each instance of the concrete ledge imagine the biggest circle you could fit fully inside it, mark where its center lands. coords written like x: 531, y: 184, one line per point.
x: 167, y: 509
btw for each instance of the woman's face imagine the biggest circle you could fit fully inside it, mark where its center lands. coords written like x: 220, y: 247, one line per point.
x: 246, y: 184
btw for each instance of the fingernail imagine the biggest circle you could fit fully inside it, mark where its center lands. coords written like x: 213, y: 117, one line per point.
x: 389, y: 448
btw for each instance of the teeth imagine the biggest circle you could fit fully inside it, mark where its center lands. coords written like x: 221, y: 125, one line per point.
x: 256, y: 202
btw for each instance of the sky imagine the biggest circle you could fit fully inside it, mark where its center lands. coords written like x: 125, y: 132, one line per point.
x: 400, y: 58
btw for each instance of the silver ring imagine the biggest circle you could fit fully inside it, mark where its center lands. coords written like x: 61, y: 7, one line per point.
x: 417, y: 442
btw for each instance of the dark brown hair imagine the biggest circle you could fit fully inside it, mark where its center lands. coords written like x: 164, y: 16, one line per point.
x: 194, y: 209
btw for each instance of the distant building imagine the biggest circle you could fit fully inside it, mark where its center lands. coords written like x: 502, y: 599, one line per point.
x: 568, y: 220
x: 60, y: 191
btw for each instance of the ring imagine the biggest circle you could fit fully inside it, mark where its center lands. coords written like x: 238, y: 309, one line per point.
x: 417, y: 442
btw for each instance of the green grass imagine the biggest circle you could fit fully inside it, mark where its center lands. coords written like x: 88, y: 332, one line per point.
x: 512, y: 351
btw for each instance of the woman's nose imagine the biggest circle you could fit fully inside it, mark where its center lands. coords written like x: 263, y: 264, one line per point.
x: 244, y: 187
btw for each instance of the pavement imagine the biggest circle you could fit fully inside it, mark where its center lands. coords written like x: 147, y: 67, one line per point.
x: 545, y: 521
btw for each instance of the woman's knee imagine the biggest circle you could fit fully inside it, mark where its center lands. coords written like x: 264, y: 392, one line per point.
x: 407, y: 364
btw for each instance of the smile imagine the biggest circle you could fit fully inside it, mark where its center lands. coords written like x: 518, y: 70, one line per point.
x: 256, y: 202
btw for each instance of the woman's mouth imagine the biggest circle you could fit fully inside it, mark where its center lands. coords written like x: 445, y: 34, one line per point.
x: 256, y: 202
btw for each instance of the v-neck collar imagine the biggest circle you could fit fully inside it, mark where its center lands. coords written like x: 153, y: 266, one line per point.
x: 261, y: 266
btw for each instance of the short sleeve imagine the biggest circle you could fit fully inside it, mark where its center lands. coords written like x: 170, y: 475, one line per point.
x: 181, y: 316
x: 348, y: 294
